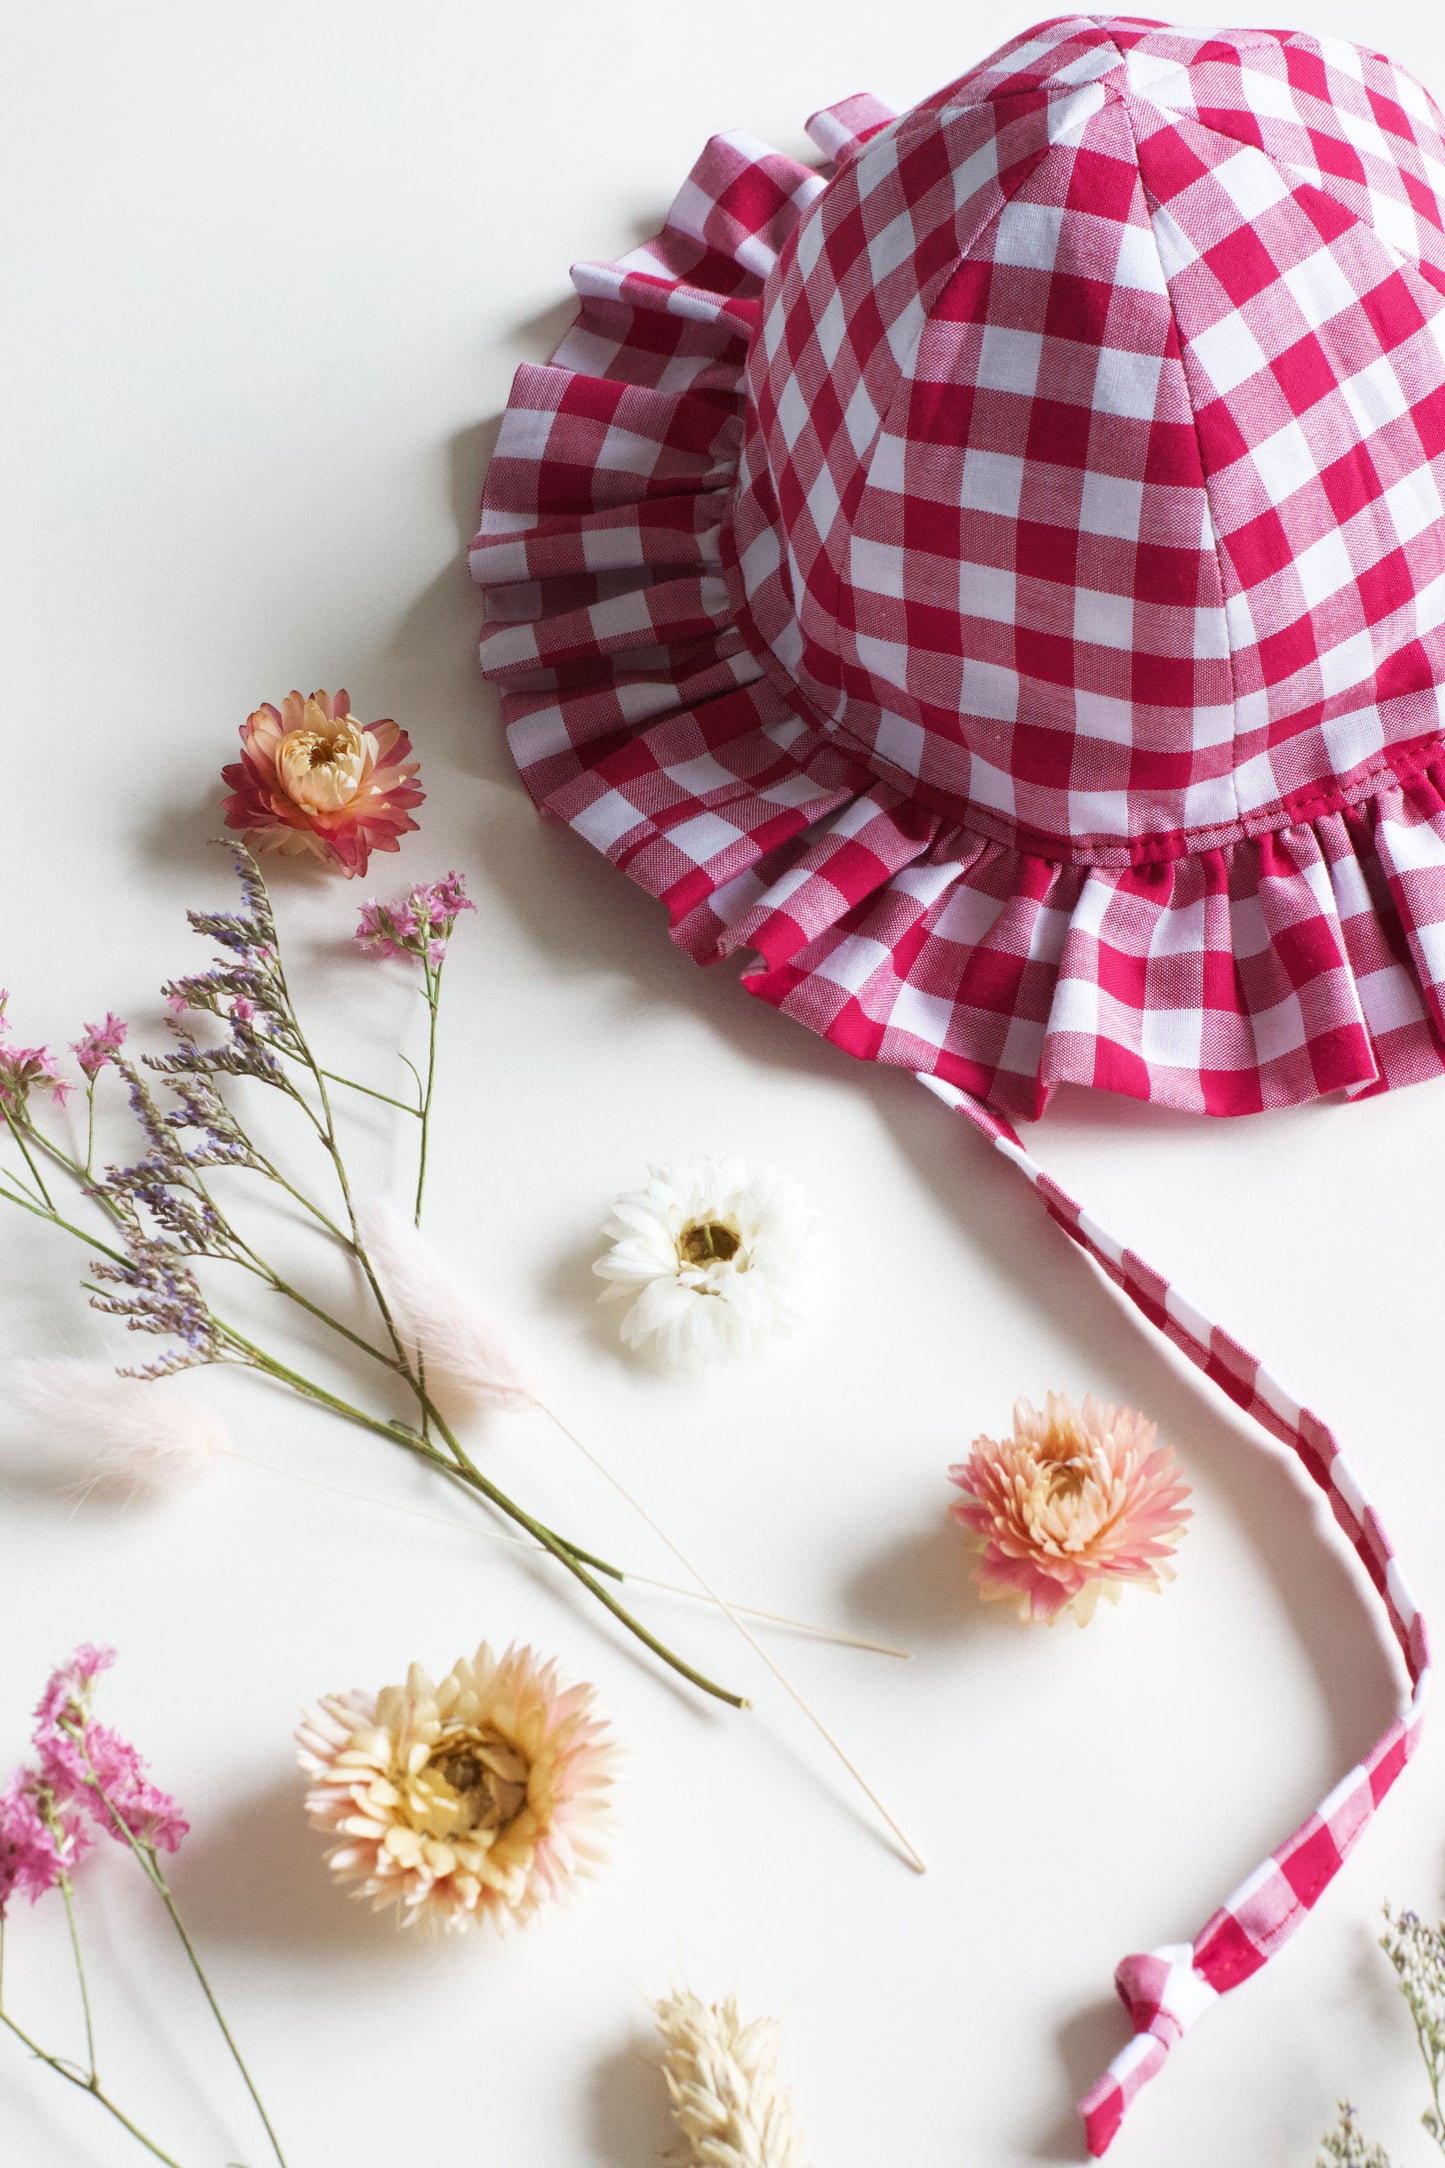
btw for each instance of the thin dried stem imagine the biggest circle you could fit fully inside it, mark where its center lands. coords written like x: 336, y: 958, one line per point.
x: 914, y: 1856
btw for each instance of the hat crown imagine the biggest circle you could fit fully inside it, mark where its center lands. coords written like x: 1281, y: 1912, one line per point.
x: 1091, y: 487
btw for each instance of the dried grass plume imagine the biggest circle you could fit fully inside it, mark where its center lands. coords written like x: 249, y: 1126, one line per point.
x: 82, y: 1424
x: 467, y: 1363
x: 722, y: 2077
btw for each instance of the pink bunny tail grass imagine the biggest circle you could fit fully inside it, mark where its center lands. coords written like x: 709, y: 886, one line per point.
x: 467, y: 1363
x: 81, y: 1423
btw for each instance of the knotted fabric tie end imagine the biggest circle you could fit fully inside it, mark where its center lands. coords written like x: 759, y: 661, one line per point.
x: 1163, y: 1995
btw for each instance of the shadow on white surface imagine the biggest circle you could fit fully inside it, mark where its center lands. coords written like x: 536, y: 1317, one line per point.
x: 630, y: 2123
x: 257, y: 1875
x: 918, y: 1587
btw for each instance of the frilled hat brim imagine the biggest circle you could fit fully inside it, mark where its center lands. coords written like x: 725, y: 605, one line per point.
x: 1265, y: 972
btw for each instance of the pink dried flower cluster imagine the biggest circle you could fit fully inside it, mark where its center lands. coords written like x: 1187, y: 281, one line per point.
x: 99, y: 1044
x: 418, y: 924
x: 85, y: 1781
x: 40, y: 1840
x: 1075, y: 1504
x: 24, y: 1069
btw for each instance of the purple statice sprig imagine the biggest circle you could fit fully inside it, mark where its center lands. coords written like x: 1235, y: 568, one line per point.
x: 164, y: 1220
x: 152, y: 1289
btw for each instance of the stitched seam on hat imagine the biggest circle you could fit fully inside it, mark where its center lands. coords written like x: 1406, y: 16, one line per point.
x: 1150, y: 205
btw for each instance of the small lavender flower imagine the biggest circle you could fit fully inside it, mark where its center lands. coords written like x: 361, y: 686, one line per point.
x: 157, y: 1292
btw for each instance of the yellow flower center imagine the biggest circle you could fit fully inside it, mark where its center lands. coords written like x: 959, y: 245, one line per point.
x: 474, y: 1780
x: 323, y: 764
x: 706, y: 1242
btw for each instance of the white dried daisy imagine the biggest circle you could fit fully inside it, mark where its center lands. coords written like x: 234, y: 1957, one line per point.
x: 477, y: 1799
x: 710, y: 1258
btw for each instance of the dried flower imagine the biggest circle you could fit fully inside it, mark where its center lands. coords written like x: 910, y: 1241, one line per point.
x: 476, y: 1799
x: 24, y: 1069
x: 710, y: 1259
x: 88, y: 1768
x: 96, y: 1426
x: 418, y: 924
x: 466, y: 1363
x: 156, y: 1289
x: 1072, y: 1506
x: 312, y: 778
x: 86, y: 1781
x: 722, y: 2077
x: 1347, y: 2147
x: 40, y: 1841
x: 99, y: 1044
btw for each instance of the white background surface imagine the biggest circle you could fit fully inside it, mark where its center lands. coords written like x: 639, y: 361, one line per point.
x: 267, y: 274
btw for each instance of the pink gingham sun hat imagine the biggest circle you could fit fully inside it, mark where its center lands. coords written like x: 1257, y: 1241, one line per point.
x: 999, y: 584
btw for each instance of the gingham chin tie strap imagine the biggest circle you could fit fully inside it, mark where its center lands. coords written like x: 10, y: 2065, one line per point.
x: 1165, y: 1990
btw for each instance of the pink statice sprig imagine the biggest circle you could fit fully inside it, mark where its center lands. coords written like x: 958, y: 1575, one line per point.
x: 99, y: 1044
x: 41, y: 1841
x: 84, y: 1782
x: 88, y: 1768
x: 418, y: 924
x: 26, y: 1069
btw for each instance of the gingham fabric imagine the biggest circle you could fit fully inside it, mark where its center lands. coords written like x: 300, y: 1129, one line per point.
x: 1164, y: 1990
x: 1002, y: 587
x: 998, y: 584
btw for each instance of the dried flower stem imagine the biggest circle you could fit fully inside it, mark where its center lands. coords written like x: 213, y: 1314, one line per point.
x: 914, y: 1856
x: 17, y: 1130
x: 520, y: 1543
x: 149, y: 1860
x: 237, y: 1346
x: 167, y: 1216
x: 433, y: 1000
x: 67, y: 1894
x: 89, y: 2085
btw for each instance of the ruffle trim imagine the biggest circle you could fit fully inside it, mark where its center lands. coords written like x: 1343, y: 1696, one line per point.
x: 1265, y: 972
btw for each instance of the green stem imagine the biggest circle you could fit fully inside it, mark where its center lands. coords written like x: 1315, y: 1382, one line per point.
x: 416, y: 1079
x: 71, y: 2077
x: 68, y: 1894
x: 568, y: 1558
x: 433, y: 1002
x: 90, y: 1129
x: 395, y: 1433
x: 371, y: 1092
x: 467, y: 1472
x: 90, y: 2086
x: 150, y: 1862
x: 164, y: 1892
x: 58, y: 1219
x: 17, y: 1130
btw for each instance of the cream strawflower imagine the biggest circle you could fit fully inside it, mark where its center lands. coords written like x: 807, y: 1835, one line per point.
x: 477, y: 1799
x: 1076, y: 1503
x: 710, y: 1259
x: 722, y: 2077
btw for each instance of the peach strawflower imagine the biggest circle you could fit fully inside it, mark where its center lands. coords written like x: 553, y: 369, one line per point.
x: 312, y: 778
x: 478, y: 1799
x: 1073, y: 1505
